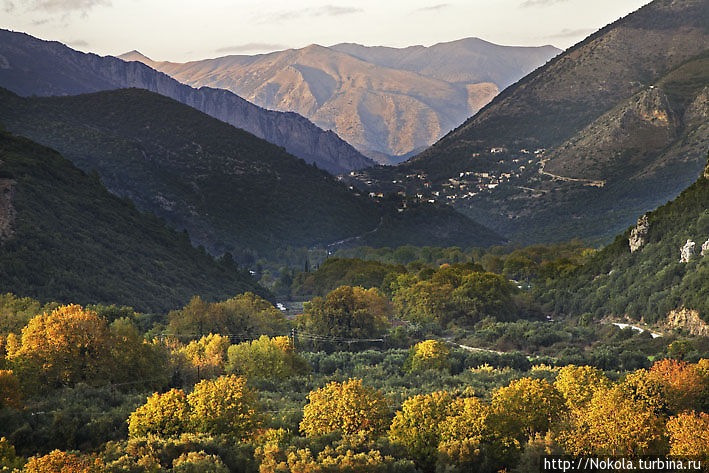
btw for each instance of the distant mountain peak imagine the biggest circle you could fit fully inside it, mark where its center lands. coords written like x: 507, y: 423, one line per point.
x: 135, y: 55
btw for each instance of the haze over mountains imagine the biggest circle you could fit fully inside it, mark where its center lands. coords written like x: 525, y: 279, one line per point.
x: 387, y: 102
x: 30, y: 66
x: 607, y: 130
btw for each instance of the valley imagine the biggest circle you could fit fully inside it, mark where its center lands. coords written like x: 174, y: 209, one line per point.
x: 473, y: 257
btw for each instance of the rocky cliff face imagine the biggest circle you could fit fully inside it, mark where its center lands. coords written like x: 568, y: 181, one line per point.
x: 688, y: 320
x: 35, y: 67
x: 638, y: 234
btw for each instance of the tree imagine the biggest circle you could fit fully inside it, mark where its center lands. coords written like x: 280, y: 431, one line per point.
x: 525, y: 407
x: 417, y: 426
x: 426, y: 302
x: 208, y: 354
x: 347, y: 312
x: 10, y: 391
x: 198, y: 462
x: 348, y: 407
x: 68, y: 346
x: 683, y: 383
x: 689, y: 434
x: 265, y: 358
x: 164, y: 415
x: 428, y: 355
x: 63, y: 462
x: 246, y: 314
x: 484, y: 294
x: 224, y: 406
x: 578, y: 383
x: 9, y: 461
x: 613, y: 423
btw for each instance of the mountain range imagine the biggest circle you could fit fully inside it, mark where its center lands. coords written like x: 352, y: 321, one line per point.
x: 387, y: 102
x: 30, y: 66
x: 607, y: 130
x: 232, y: 191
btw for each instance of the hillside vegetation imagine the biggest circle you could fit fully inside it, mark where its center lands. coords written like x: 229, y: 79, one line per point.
x: 651, y: 281
x: 66, y: 238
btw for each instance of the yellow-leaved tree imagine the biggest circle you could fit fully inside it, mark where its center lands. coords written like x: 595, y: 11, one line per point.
x: 58, y: 461
x: 68, y: 346
x: 164, y: 415
x: 265, y: 358
x: 613, y: 423
x: 428, y: 355
x: 417, y: 426
x: 226, y: 406
x: 689, y: 434
x: 348, y: 407
x: 683, y: 383
x: 578, y: 384
x: 207, y: 355
x: 525, y: 407
x: 10, y: 391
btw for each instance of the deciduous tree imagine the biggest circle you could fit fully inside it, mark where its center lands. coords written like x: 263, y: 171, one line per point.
x: 349, y: 407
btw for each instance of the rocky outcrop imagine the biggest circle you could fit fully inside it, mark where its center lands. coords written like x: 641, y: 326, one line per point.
x: 7, y: 210
x: 705, y: 247
x: 688, y: 320
x: 638, y: 234
x: 43, y: 68
x: 687, y: 251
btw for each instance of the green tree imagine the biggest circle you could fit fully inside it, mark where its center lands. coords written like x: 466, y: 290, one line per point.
x: 347, y: 312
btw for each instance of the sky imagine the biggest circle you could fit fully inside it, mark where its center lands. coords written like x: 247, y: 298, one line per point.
x: 183, y: 30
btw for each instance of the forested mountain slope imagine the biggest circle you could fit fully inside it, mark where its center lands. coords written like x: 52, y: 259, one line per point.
x: 64, y: 237
x: 229, y: 189
x: 607, y: 130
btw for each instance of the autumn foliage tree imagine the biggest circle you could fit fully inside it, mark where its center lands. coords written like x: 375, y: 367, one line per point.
x: 428, y: 355
x: 613, y: 423
x: 417, y: 426
x: 164, y: 415
x: 224, y: 405
x: 578, y: 384
x: 246, y: 314
x: 683, y: 383
x: 67, y: 346
x: 525, y: 407
x: 349, y: 407
x: 265, y: 358
x: 689, y: 434
x: 58, y: 461
x: 10, y: 390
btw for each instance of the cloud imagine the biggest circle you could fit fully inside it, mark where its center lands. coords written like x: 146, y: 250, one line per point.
x: 540, y: 3
x: 66, y: 5
x: 325, y: 10
x: 569, y: 33
x: 432, y: 8
x: 8, y: 6
x: 78, y: 43
x: 251, y: 47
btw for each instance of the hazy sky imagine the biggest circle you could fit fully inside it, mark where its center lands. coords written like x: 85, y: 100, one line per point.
x: 181, y: 30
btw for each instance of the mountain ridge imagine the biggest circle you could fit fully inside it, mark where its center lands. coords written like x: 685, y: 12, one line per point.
x: 385, y: 104
x: 38, y: 67
x: 528, y: 138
